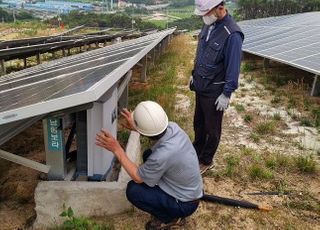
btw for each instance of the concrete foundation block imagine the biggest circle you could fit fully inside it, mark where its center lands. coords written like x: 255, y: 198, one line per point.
x: 85, y: 198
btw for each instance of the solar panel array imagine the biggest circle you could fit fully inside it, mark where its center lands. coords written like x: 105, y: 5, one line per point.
x: 70, y: 81
x: 291, y: 39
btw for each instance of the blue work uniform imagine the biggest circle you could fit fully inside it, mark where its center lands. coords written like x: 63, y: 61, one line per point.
x: 216, y: 71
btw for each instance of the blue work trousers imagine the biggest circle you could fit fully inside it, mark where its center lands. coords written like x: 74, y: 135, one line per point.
x: 159, y: 204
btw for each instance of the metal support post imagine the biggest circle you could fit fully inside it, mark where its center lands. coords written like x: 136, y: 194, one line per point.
x: 24, y: 161
x: 69, y: 51
x: 63, y: 52
x: 3, y: 67
x: 25, y: 62
x: 144, y: 62
x: 158, y: 50
x: 151, y: 58
x: 38, y: 59
x: 54, y: 146
x: 315, y: 91
x: 266, y: 63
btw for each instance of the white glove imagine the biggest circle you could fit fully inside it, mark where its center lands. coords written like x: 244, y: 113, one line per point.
x: 222, y: 102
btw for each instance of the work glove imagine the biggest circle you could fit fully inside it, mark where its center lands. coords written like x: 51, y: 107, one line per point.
x: 191, y: 87
x: 222, y: 102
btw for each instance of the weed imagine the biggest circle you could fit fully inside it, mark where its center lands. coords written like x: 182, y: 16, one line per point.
x: 316, y: 116
x: 306, y: 164
x: 281, y: 186
x: 247, y: 151
x: 239, y: 108
x: 247, y: 118
x: 283, y: 161
x: 254, y: 137
x: 276, y: 99
x: 246, y: 67
x: 265, y: 127
x: 232, y: 161
x: 271, y: 162
x: 258, y: 172
x: 306, y: 122
x: 276, y: 117
x: 79, y: 223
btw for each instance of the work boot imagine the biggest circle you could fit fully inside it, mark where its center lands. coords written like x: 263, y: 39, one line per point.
x: 155, y: 224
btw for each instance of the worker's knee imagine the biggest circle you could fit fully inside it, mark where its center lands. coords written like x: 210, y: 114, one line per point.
x: 132, y: 190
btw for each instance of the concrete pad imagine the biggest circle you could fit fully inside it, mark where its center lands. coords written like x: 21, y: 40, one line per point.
x: 85, y: 198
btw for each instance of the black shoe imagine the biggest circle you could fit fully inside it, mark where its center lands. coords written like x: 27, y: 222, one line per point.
x: 155, y: 224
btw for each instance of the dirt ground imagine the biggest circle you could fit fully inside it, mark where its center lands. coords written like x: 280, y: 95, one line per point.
x: 17, y: 183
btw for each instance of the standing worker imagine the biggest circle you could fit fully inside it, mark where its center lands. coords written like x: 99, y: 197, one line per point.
x: 168, y: 185
x: 215, y: 75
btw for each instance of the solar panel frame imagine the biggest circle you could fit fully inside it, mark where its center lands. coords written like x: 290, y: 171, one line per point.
x: 290, y: 39
x: 29, y: 109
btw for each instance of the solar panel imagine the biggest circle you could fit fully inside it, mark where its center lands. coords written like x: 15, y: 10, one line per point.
x: 70, y: 81
x: 291, y: 39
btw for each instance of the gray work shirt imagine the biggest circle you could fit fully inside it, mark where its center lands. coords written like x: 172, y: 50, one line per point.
x: 173, y: 166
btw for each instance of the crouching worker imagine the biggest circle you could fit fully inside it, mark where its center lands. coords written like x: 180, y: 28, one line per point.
x: 168, y: 184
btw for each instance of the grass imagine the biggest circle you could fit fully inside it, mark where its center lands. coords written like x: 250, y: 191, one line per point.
x: 247, y: 118
x: 265, y: 127
x: 305, y: 164
x: 231, y: 163
x: 239, y: 108
x: 276, y: 117
x: 258, y: 172
x: 162, y: 79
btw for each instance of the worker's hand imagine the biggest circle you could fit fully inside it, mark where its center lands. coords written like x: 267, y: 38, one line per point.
x: 129, y: 122
x: 222, y: 102
x: 105, y: 140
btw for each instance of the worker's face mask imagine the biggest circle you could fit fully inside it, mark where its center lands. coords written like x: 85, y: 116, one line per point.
x: 209, y: 19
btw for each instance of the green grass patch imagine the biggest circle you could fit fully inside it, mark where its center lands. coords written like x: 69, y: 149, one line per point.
x: 246, y: 67
x: 254, y: 137
x: 240, y: 108
x: 257, y: 171
x: 247, y: 118
x: 265, y: 127
x: 231, y: 164
x: 73, y: 222
x: 306, y: 164
x: 276, y: 117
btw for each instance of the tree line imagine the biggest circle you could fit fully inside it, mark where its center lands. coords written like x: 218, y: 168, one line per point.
x: 8, y: 15
x: 251, y: 9
x: 120, y: 20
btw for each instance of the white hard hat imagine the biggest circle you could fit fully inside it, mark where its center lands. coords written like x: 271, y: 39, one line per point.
x: 149, y: 118
x: 202, y: 7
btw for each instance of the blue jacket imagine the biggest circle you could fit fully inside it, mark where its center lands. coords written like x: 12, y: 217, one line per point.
x: 218, y: 57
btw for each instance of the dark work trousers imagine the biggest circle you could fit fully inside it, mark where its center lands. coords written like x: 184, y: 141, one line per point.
x: 158, y: 203
x: 207, y: 123
x: 155, y: 201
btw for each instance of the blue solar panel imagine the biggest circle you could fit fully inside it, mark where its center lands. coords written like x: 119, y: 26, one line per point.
x: 292, y: 39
